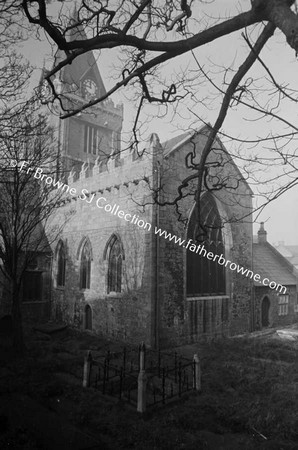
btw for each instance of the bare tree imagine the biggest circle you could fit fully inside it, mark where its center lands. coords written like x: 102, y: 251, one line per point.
x: 26, y: 141
x: 150, y: 33
x: 27, y: 150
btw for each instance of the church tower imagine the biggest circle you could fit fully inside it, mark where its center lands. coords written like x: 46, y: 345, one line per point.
x: 93, y: 134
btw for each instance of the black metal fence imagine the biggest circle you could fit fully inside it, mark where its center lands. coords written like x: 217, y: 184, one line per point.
x: 170, y: 382
x: 114, y: 375
x: 167, y: 375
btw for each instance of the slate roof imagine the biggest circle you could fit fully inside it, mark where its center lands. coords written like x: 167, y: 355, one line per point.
x: 290, y: 252
x: 294, y: 260
x: 174, y: 142
x: 84, y: 65
x: 269, y: 263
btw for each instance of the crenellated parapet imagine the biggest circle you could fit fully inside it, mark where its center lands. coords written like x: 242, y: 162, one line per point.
x: 129, y: 173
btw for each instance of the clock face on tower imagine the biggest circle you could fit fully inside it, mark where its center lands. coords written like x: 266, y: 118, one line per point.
x: 90, y: 89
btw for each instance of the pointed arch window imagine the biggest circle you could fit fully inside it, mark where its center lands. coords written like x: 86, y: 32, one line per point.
x: 206, y: 277
x: 115, y: 255
x: 61, y: 263
x: 85, y: 265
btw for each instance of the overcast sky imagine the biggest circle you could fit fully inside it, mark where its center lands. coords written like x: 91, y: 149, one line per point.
x: 281, y: 216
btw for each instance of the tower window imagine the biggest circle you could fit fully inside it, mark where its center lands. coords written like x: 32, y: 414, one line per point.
x: 98, y: 141
x: 91, y: 140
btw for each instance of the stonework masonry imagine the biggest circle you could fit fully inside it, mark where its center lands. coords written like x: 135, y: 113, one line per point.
x: 125, y: 315
x: 187, y: 319
x: 153, y: 305
x: 149, y: 298
x: 275, y: 318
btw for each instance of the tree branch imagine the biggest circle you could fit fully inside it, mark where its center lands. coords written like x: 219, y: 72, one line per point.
x: 243, y: 69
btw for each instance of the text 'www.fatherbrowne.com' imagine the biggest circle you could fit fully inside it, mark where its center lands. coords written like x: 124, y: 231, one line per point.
x: 220, y: 259
x: 103, y: 204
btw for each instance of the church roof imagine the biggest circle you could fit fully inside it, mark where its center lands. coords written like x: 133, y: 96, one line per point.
x: 176, y: 142
x: 173, y: 143
x: 84, y: 65
x: 269, y: 263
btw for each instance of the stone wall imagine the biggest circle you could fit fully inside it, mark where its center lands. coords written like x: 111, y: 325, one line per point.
x: 153, y: 305
x: 182, y: 319
x: 274, y: 318
x: 125, y: 315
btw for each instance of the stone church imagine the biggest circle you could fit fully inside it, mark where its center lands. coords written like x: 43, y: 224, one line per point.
x: 126, y: 264
x: 115, y: 269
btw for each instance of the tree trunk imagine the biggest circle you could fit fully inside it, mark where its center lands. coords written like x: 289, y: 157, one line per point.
x: 280, y: 14
x: 17, y: 326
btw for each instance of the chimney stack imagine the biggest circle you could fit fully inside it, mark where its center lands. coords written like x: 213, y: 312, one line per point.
x: 262, y: 234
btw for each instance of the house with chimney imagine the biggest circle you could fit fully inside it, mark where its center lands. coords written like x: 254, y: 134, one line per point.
x: 273, y: 307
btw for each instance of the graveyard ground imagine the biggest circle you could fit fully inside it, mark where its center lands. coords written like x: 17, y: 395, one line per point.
x: 249, y: 398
